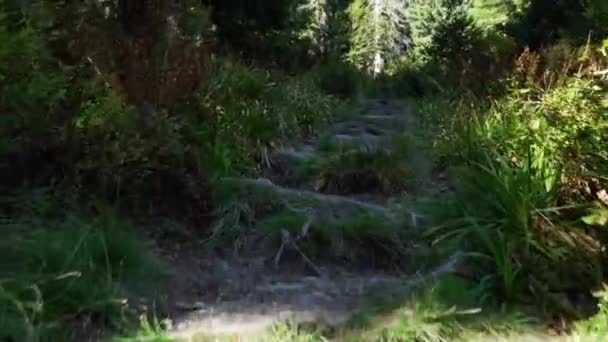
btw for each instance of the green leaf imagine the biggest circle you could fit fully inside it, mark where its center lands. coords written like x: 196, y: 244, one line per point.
x: 597, y: 217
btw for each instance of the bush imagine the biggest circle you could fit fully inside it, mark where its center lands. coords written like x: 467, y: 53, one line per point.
x: 80, y: 134
x: 563, y: 117
x: 139, y: 156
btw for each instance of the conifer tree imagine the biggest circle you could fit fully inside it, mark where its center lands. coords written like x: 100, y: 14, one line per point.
x: 379, y: 33
x: 440, y: 28
x: 319, y: 26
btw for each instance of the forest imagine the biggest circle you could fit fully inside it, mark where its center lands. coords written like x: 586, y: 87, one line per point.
x: 303, y: 170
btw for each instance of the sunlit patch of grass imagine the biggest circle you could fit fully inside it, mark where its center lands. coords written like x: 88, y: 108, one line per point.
x: 147, y: 331
x: 293, y: 332
x: 597, y: 325
x: 447, y: 309
x: 444, y: 310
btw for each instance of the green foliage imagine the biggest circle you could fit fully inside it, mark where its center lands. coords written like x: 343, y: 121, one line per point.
x: 446, y: 309
x: 116, y: 146
x: 325, y: 24
x: 339, y: 79
x: 450, y: 45
x: 98, y: 143
x: 451, y: 38
x: 543, y: 22
x: 253, y: 110
x: 598, y: 215
x: 491, y: 13
x: 149, y: 331
x: 352, y: 169
x: 378, y: 34
x: 566, y: 121
x: 596, y: 326
x: 252, y: 17
x: 55, y: 272
x: 431, y: 19
x: 494, y: 211
x: 101, y: 146
x: 575, y: 141
x: 266, y: 32
x: 30, y: 88
x: 519, y: 159
x: 597, y: 12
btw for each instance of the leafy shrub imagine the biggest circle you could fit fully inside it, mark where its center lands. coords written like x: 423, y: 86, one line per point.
x: 566, y: 120
x: 555, y: 65
x: 108, y: 148
x: 520, y: 159
x: 506, y: 217
x: 492, y: 212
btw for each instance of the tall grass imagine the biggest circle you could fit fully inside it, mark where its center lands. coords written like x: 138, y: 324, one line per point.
x: 519, y: 167
x: 56, y: 274
x: 493, y: 210
x: 444, y: 310
x: 252, y: 110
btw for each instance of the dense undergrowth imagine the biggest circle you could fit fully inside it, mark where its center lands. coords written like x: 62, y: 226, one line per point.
x: 514, y: 113
x: 73, y: 269
x: 527, y: 168
x: 69, y: 268
x: 524, y: 153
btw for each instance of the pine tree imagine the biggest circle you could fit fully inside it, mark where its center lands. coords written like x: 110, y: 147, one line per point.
x: 489, y: 13
x: 325, y: 25
x: 439, y: 27
x: 379, y: 33
x: 318, y: 28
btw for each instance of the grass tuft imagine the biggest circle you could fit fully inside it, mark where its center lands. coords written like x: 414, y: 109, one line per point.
x: 75, y: 270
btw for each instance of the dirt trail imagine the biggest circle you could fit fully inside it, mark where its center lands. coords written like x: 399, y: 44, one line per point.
x: 244, y: 296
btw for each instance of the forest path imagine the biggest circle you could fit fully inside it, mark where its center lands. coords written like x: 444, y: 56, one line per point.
x: 244, y: 294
